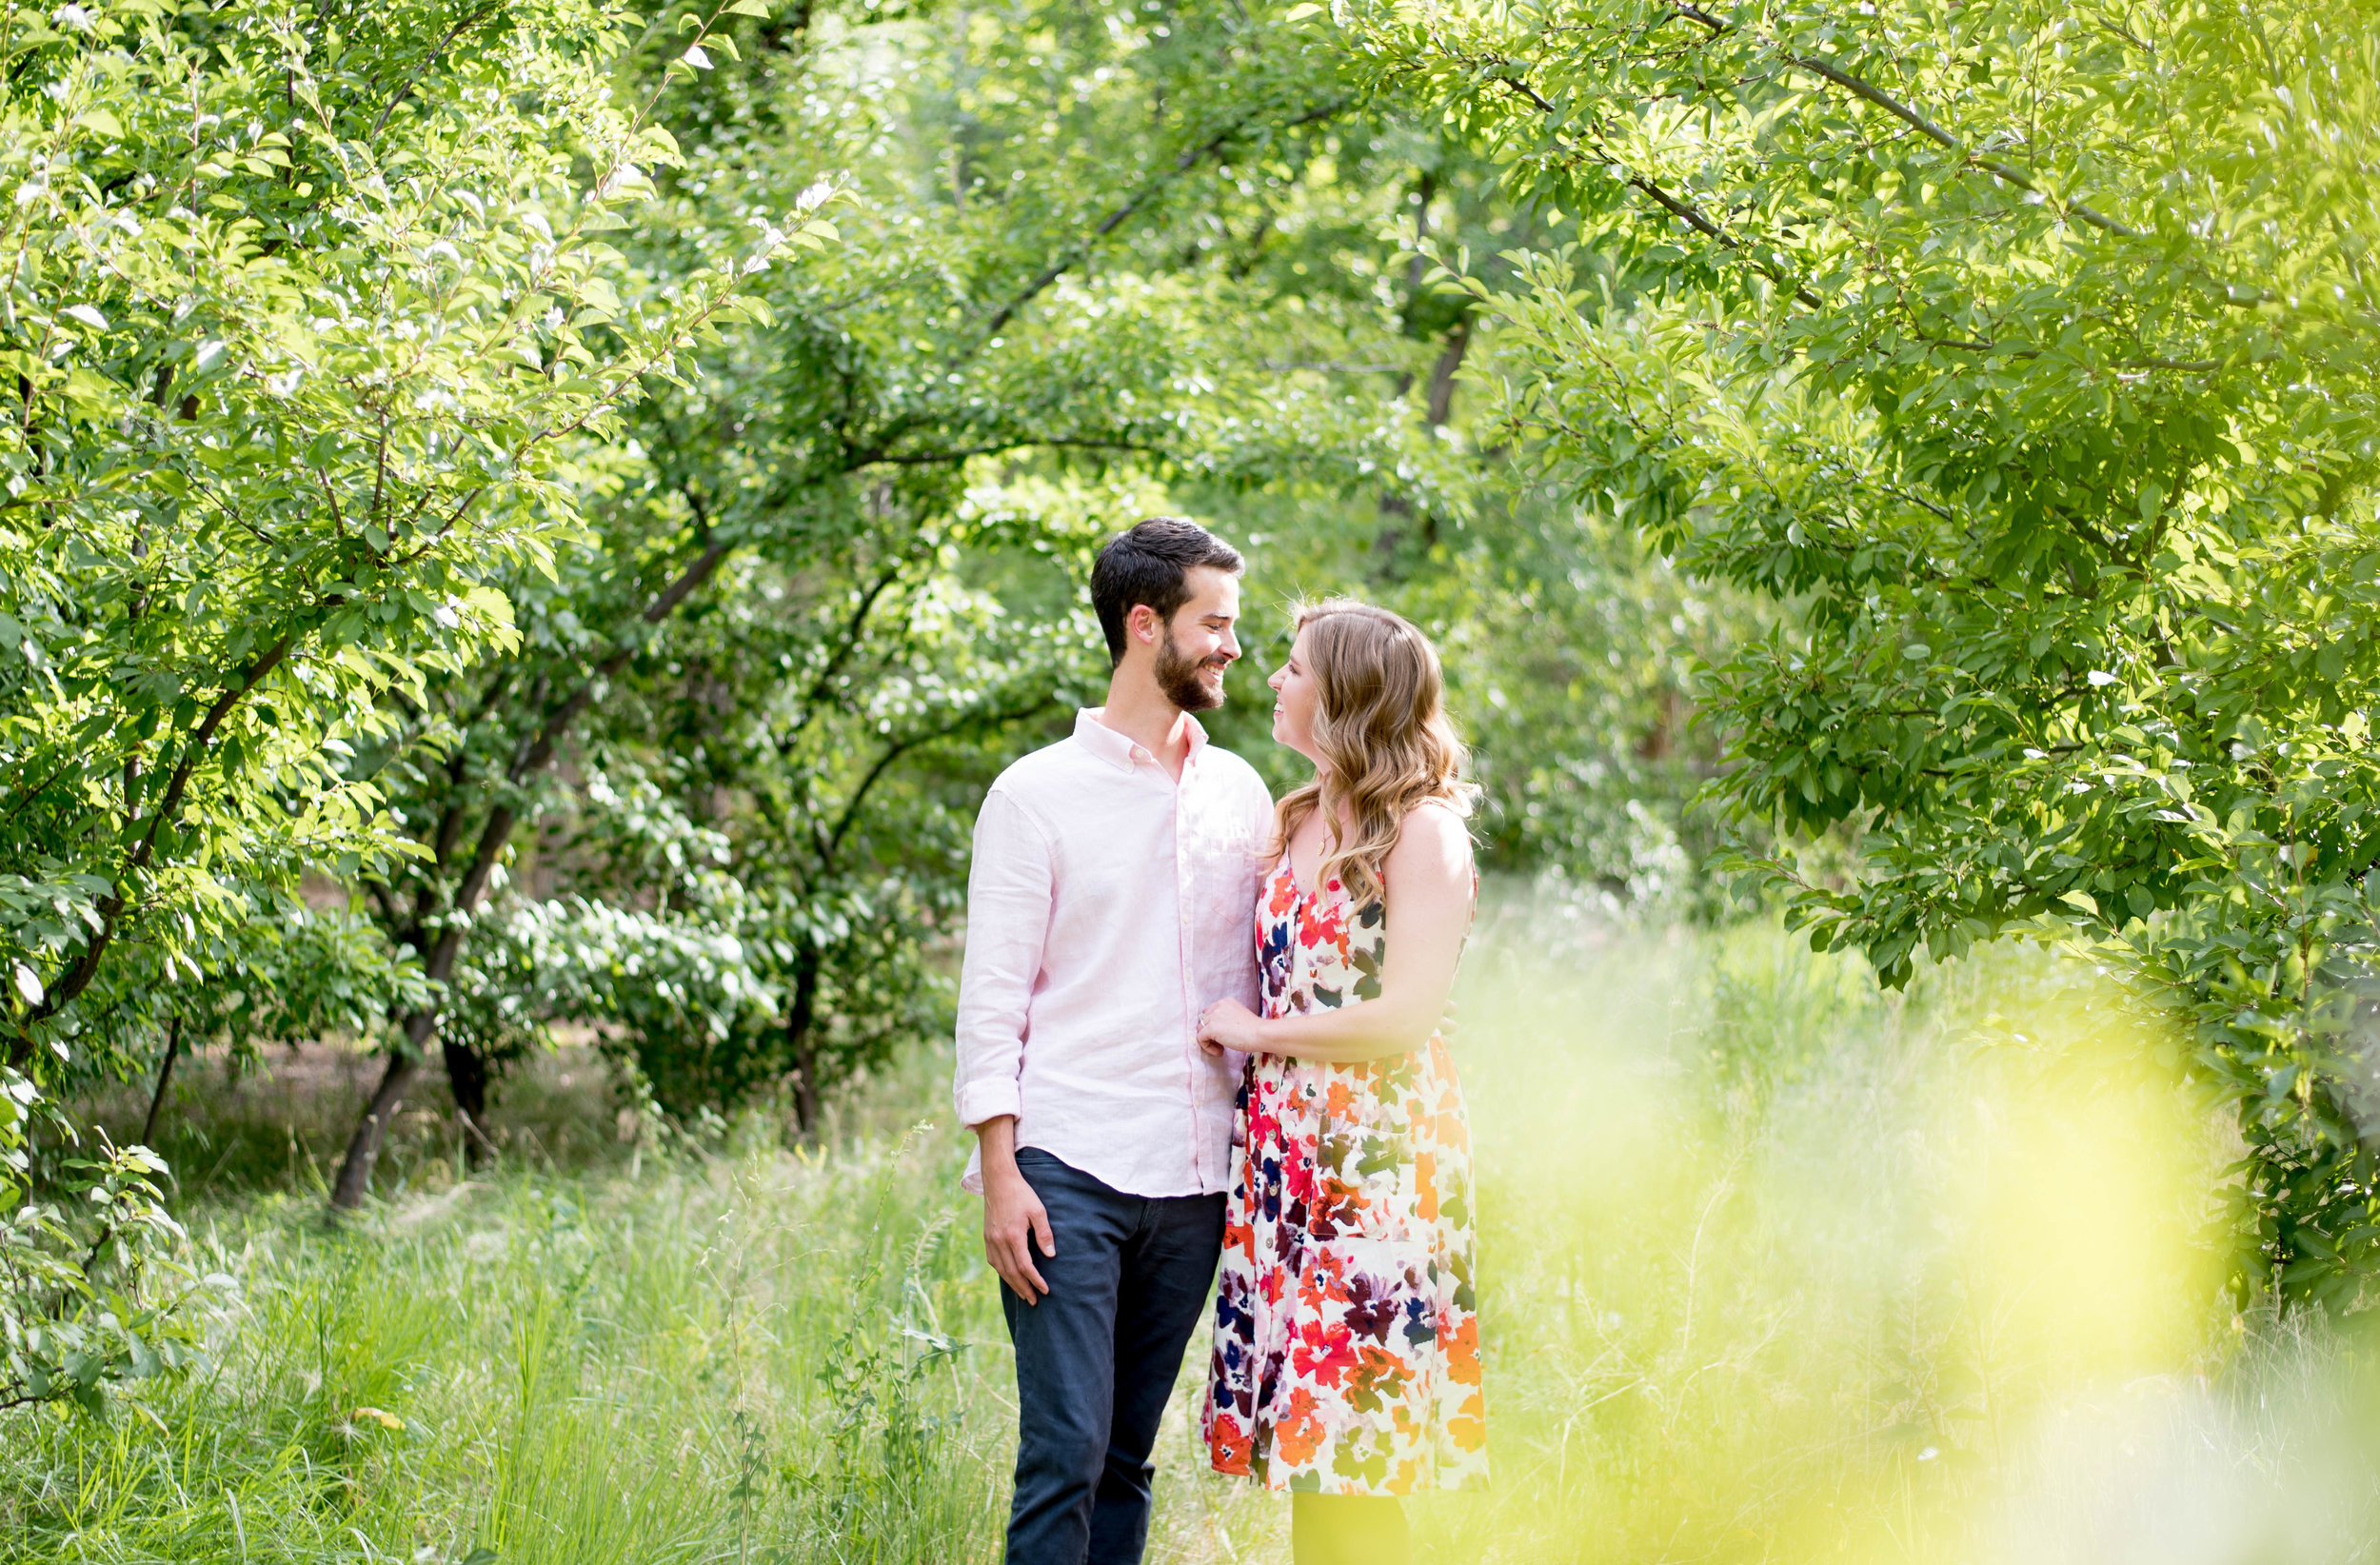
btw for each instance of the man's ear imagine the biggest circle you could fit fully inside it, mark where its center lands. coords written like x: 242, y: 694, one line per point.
x: 1141, y: 625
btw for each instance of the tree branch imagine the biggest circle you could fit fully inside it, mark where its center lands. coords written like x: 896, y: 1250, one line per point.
x: 1072, y: 256
x: 110, y: 908
x: 1934, y: 132
x: 405, y: 90
x: 847, y: 645
x: 1685, y: 211
x: 924, y: 459
x: 832, y: 845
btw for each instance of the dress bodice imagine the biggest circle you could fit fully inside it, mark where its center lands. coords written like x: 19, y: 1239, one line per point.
x: 1322, y: 950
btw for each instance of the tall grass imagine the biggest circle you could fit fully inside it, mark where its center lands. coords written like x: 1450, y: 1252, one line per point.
x: 725, y: 1358
x: 1775, y: 1267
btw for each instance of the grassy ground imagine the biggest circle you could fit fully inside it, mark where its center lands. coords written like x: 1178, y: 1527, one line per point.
x: 1774, y: 1267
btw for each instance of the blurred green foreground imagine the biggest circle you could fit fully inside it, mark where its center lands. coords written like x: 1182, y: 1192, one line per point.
x: 1777, y: 1267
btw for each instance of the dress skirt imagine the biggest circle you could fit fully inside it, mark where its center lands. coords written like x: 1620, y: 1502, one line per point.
x: 1347, y: 1355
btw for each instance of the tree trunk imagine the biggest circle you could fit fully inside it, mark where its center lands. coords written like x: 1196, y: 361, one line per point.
x: 355, y: 1169
x: 801, y: 1041
x: 165, y: 1073
x: 1442, y: 373
x: 466, y: 1076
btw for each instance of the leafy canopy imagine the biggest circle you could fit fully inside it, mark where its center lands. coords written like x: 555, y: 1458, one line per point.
x: 2022, y: 352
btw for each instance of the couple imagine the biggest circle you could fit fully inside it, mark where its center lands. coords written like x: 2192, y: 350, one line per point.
x: 1135, y: 892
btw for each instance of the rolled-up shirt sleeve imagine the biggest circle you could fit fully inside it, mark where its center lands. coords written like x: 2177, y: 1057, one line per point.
x: 1009, y: 888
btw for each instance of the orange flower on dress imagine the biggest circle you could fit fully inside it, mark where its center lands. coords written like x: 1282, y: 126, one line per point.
x: 1468, y: 1428
x: 1375, y: 1366
x: 1463, y: 1350
x: 1232, y: 1448
x: 1300, y: 1434
x: 1324, y: 1284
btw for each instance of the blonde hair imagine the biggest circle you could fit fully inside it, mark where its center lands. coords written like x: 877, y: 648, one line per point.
x: 1381, y: 729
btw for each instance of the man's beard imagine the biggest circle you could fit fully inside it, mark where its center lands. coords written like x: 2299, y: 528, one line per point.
x: 1177, y: 676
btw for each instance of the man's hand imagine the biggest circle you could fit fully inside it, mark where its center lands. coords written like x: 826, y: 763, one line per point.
x: 1014, y: 1218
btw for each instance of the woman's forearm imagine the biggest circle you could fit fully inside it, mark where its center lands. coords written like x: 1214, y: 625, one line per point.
x: 1376, y: 1029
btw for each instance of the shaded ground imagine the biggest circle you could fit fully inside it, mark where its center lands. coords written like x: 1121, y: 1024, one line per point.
x: 282, y: 1122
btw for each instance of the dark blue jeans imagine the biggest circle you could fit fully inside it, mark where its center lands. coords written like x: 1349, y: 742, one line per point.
x: 1096, y: 1357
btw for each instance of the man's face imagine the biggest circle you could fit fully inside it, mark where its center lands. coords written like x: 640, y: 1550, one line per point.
x: 1198, y: 643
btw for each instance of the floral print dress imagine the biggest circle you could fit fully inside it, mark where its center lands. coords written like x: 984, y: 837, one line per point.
x: 1346, y: 1329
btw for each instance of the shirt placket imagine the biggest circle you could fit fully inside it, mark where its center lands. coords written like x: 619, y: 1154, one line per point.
x: 1189, y: 990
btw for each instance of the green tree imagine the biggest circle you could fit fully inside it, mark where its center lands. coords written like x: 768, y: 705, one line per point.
x: 302, y: 307
x: 2021, y: 353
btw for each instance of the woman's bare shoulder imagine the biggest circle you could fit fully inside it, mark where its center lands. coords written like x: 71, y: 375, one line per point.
x: 1438, y: 815
x: 1433, y: 832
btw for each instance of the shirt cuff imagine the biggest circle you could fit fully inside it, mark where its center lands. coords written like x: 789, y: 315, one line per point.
x: 982, y: 1100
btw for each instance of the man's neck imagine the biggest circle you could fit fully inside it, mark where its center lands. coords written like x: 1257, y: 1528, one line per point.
x: 1136, y: 709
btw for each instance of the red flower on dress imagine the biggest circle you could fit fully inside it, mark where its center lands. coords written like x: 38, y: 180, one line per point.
x: 1324, y: 1353
x: 1321, y: 926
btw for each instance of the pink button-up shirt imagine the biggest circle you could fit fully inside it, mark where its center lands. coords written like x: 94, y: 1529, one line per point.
x: 1107, y: 907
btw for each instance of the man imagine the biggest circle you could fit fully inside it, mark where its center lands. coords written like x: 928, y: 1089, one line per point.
x: 1112, y: 900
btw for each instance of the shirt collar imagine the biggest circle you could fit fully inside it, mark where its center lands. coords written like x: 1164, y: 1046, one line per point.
x: 1118, y: 750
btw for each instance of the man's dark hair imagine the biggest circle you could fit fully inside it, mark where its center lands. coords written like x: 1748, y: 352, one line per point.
x: 1150, y: 563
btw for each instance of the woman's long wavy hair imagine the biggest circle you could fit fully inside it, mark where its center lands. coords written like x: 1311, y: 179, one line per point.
x: 1381, y: 726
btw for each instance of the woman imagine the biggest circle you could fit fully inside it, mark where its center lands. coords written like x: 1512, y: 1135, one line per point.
x: 1346, y: 1365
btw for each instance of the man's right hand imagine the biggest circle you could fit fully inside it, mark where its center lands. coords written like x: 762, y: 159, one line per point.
x: 1014, y: 1218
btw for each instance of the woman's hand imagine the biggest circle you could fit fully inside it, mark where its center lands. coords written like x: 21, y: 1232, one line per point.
x: 1228, y: 1024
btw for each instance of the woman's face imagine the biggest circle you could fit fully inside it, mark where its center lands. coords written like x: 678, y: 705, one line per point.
x: 1296, y: 701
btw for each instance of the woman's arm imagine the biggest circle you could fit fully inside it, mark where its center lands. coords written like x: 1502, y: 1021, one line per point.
x: 1428, y: 876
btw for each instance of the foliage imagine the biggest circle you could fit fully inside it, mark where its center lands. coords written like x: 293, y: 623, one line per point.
x: 451, y: 496
x: 692, y: 1011
x: 303, y: 313
x: 68, y: 1329
x: 2021, y: 351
